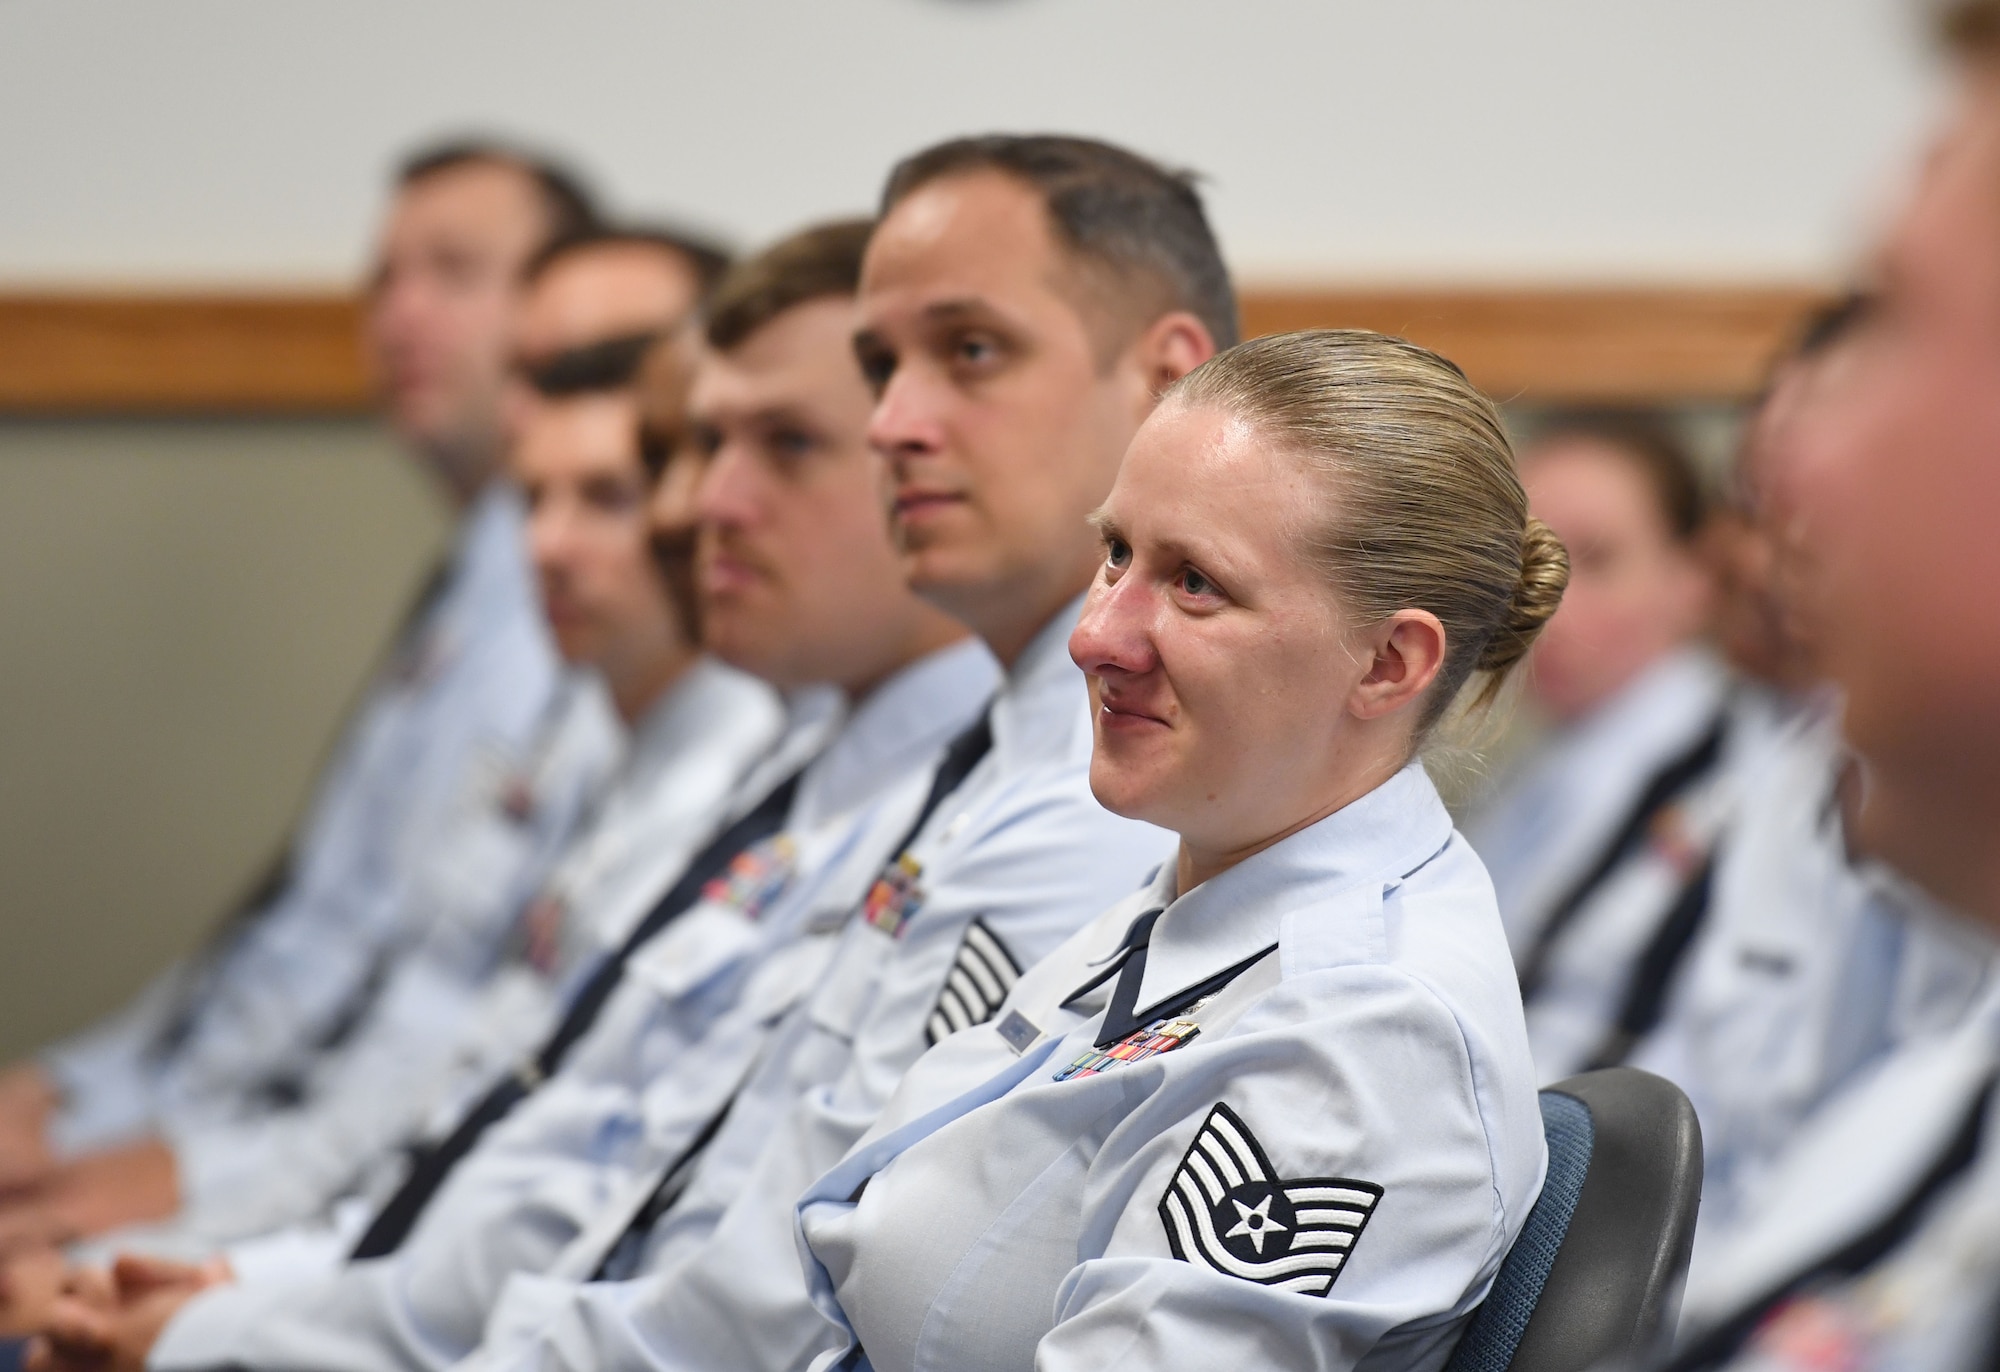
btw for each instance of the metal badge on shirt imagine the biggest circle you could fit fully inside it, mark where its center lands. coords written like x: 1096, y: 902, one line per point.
x: 982, y: 974
x: 1227, y: 1207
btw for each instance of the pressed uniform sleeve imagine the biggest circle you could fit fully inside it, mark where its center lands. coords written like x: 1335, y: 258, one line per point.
x: 1030, y: 867
x: 107, y: 1074
x: 242, y: 1177
x: 306, y: 965
x: 1384, y: 1154
x: 1365, y: 1127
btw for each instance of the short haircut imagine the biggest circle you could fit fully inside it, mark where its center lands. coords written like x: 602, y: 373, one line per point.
x: 824, y: 260
x: 707, y: 258
x: 568, y: 204
x: 1971, y: 28
x: 1652, y: 446
x: 1138, y: 225
x: 610, y: 364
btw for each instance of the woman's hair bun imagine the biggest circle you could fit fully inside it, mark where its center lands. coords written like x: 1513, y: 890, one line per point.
x: 1544, y: 574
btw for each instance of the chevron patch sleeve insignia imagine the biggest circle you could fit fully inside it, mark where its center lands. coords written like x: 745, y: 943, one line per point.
x: 981, y: 976
x: 1226, y: 1207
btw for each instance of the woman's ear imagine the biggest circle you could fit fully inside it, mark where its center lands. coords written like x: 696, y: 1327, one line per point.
x: 1408, y: 650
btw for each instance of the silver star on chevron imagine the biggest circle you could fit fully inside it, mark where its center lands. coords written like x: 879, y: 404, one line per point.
x: 1255, y: 1222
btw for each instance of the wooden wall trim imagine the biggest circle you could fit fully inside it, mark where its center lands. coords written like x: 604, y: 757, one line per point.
x: 167, y: 354
x: 1656, y: 344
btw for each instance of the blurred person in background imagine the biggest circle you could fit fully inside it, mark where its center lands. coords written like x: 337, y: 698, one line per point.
x: 1870, y: 1243
x: 603, y: 296
x: 468, y: 683
x: 1635, y: 703
x: 1024, y: 303
x: 1807, y: 960
x: 224, y: 1160
x: 798, y: 578
x: 1639, y: 714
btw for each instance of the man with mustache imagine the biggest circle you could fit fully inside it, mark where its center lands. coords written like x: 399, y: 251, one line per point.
x: 1023, y: 303
x: 798, y: 580
x: 489, y: 959
x: 470, y: 680
x: 492, y: 970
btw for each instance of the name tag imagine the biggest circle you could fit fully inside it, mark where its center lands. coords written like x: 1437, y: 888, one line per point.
x: 1018, y: 1030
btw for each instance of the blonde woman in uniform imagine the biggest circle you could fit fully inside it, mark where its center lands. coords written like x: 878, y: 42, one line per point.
x: 1277, y: 1109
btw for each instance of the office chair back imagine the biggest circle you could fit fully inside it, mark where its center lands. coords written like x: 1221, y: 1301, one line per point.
x: 1595, y: 1276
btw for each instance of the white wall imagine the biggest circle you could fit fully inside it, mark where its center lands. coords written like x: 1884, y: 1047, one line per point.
x: 244, y: 140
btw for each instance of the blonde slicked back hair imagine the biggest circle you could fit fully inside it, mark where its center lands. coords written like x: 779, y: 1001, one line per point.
x: 1422, y: 506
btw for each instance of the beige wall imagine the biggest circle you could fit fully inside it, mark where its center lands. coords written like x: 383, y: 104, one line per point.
x: 238, y: 140
x: 186, y: 610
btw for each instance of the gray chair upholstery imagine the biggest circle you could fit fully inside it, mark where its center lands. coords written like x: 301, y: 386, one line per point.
x: 1595, y: 1276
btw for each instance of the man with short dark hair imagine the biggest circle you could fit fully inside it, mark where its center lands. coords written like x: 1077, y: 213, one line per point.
x: 615, y: 289
x: 466, y: 221
x: 471, y: 677
x: 470, y: 990
x: 798, y: 581
x: 1011, y: 366
x: 1023, y: 303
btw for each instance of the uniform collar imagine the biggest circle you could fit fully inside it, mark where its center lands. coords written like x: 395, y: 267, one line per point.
x: 1039, y: 708
x: 489, y: 564
x: 1663, y: 704
x: 1379, y: 839
x: 899, y: 725
x: 709, y: 699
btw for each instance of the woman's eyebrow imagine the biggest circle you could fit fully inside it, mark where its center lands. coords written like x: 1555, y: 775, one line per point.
x: 1108, y: 528
x: 1179, y: 550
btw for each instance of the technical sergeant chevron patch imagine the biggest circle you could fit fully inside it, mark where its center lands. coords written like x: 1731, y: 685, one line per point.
x: 982, y: 974
x: 1226, y: 1207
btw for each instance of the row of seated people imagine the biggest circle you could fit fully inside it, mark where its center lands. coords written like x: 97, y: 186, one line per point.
x: 1675, y: 854
x: 738, y: 929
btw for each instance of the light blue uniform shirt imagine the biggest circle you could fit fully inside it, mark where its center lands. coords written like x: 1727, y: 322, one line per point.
x: 1322, y: 1166
x: 1809, y: 968
x: 1592, y: 966
x: 469, y: 687
x: 485, y: 981
x: 667, y: 1053
x: 1929, y: 1305
x: 1558, y: 809
x: 1010, y: 866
